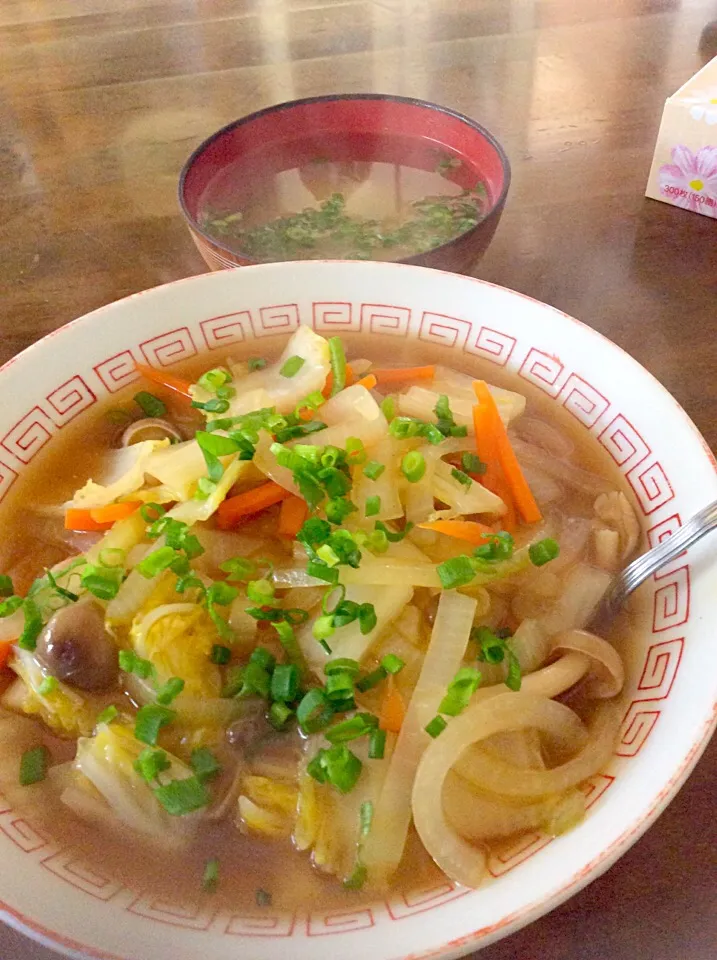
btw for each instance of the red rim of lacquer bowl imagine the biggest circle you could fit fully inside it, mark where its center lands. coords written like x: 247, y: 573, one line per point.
x: 447, y: 128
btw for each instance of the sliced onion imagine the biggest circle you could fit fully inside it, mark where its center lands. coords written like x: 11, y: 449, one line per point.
x: 496, y: 776
x: 584, y: 587
x: 607, y: 673
x: 544, y: 435
x: 478, y: 817
x: 588, y: 483
x: 461, y: 861
x: 150, y: 428
x: 549, y: 681
x: 531, y: 645
x: 392, y: 812
x: 522, y: 748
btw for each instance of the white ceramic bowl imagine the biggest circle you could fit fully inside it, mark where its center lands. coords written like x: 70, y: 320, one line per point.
x: 672, y: 662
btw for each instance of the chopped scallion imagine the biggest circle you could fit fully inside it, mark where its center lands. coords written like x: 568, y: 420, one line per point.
x: 33, y: 765
x: 413, y: 466
x: 291, y: 366
x: 314, y: 713
x: 436, y: 727
x: 170, y: 691
x: 180, y: 797
x: 373, y: 469
x: 210, y: 878
x: 337, y: 358
x: 150, y: 405
x: 150, y: 720
x: 543, y: 551
x: 204, y: 764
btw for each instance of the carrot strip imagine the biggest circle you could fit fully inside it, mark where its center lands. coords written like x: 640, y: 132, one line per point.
x: 469, y: 530
x: 516, y: 482
x: 168, y: 380
x: 404, y: 374
x: 5, y: 648
x: 350, y: 379
x: 99, y: 518
x: 115, y: 511
x: 393, y: 709
x: 291, y: 516
x: 78, y: 519
x: 369, y: 381
x: 231, y: 511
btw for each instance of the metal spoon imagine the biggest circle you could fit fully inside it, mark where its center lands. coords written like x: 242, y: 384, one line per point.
x: 639, y: 570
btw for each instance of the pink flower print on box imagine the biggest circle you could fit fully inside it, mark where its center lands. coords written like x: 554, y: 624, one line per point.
x: 690, y: 181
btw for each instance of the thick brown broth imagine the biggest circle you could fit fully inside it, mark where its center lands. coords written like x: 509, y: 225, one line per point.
x: 247, y: 865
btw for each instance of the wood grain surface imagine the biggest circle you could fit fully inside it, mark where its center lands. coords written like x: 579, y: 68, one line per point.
x: 102, y: 100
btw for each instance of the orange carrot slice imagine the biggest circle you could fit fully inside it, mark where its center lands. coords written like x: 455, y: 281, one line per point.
x: 393, y: 709
x: 175, y: 384
x: 369, y: 381
x: 99, y: 518
x: 234, y: 509
x: 5, y: 648
x: 350, y: 379
x: 291, y: 516
x: 516, y: 482
x: 469, y: 530
x: 404, y: 374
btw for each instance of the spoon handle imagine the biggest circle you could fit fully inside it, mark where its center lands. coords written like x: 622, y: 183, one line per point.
x: 639, y: 570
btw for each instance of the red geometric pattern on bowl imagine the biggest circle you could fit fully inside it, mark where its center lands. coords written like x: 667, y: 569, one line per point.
x: 4, y: 804
x: 510, y: 854
x: 658, y: 533
x: 638, y: 724
x: 223, y: 331
x: 595, y: 787
x: 544, y: 371
x: 492, y: 345
x: 169, y: 348
x: 277, y: 320
x: 334, y: 318
x: 29, y: 435
x: 440, y: 330
x: 8, y: 476
x: 80, y: 875
x: 260, y: 925
x: 188, y: 917
x: 341, y: 921
x: 582, y: 400
x: 671, y: 601
x: 23, y: 835
x: 422, y: 899
x: 622, y: 441
x: 70, y: 399
x: 118, y: 371
x: 661, y: 666
x: 381, y: 318
x: 651, y: 486
x: 624, y: 444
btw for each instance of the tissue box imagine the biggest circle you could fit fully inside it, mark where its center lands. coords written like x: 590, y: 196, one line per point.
x: 684, y: 168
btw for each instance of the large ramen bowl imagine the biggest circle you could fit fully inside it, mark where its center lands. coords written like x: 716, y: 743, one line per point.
x: 624, y: 416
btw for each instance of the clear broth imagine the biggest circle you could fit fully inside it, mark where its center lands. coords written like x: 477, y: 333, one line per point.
x: 342, y: 207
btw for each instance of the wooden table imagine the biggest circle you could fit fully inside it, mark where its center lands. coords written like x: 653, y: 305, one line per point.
x: 103, y: 99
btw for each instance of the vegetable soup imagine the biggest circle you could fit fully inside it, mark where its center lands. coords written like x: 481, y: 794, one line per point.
x: 308, y: 628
